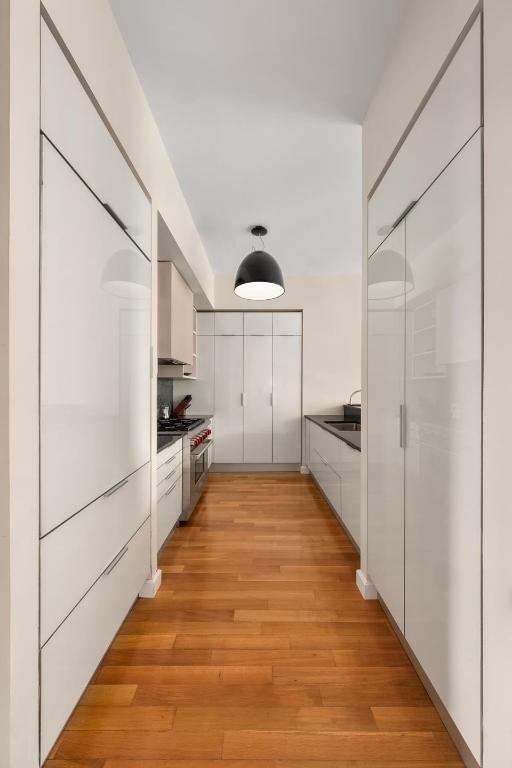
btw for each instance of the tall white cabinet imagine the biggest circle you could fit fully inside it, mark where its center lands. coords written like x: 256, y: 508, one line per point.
x: 94, y: 390
x: 250, y: 378
x: 424, y: 396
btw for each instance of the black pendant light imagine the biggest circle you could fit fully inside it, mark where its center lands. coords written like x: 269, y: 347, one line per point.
x: 259, y: 276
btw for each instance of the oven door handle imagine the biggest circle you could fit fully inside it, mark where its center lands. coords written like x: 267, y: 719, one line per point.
x: 204, y: 447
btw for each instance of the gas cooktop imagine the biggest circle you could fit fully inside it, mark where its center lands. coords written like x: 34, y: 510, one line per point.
x: 175, y: 424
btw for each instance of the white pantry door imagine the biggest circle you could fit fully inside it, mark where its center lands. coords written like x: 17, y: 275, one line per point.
x: 287, y: 399
x: 229, y: 412
x: 258, y: 399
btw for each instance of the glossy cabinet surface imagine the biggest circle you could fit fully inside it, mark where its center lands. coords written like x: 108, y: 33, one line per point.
x: 95, y: 347
x: 351, y: 490
x: 72, y: 654
x: 287, y: 399
x: 71, y: 122
x: 169, y: 507
x: 205, y: 323
x: 175, y: 315
x: 287, y: 323
x: 258, y: 323
x: 229, y: 411
x: 229, y: 323
x: 257, y: 399
x: 443, y: 440
x: 448, y: 120
x: 75, y: 554
x: 386, y: 396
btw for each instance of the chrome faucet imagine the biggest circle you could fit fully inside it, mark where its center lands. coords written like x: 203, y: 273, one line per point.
x: 352, y: 395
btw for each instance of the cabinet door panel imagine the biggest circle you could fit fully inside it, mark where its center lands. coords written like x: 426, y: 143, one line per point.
x: 287, y: 399
x: 258, y: 399
x: 443, y: 453
x: 71, y: 122
x: 205, y: 323
x: 229, y: 412
x: 287, y: 323
x: 229, y: 323
x: 258, y: 323
x: 351, y: 490
x: 448, y: 120
x: 386, y: 342
x: 95, y: 347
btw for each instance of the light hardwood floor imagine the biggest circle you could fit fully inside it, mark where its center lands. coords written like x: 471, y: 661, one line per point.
x: 258, y: 652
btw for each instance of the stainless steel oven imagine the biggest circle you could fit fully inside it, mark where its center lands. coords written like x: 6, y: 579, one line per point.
x: 195, y: 469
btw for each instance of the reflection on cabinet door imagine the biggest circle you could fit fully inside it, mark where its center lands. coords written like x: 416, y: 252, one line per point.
x: 287, y: 399
x: 229, y: 412
x: 443, y: 445
x: 258, y: 399
x: 95, y: 347
x: 386, y: 340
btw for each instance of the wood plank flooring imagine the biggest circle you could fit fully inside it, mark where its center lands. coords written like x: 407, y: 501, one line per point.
x: 258, y: 652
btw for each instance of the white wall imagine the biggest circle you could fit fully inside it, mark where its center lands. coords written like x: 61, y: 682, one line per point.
x: 497, y: 505
x: 428, y: 32
x: 90, y: 32
x: 331, y: 306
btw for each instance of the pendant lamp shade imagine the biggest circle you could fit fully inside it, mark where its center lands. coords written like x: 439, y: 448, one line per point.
x: 389, y: 275
x: 259, y: 276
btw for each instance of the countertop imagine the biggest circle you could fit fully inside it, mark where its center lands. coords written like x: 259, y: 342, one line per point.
x: 164, y: 441
x: 350, y: 438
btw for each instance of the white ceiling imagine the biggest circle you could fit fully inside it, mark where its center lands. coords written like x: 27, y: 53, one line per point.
x: 259, y: 103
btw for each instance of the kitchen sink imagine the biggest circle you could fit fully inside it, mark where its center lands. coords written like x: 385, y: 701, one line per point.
x: 345, y: 426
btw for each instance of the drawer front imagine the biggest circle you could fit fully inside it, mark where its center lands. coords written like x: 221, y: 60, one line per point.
x: 171, y: 465
x: 74, y: 555
x: 168, y: 482
x: 70, y: 657
x: 328, y: 446
x: 169, y: 509
x: 164, y: 456
x: 71, y: 122
x: 330, y: 483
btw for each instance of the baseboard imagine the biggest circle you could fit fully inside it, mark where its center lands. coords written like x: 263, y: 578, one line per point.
x: 255, y: 468
x: 365, y: 586
x: 467, y: 756
x: 152, y: 585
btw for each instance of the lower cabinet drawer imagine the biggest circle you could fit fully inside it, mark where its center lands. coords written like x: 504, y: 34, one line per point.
x: 329, y: 482
x: 168, y: 466
x: 168, y: 511
x: 169, y: 480
x: 74, y: 555
x: 72, y: 654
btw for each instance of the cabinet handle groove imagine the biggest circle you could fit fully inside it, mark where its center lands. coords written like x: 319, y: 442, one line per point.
x: 171, y: 474
x: 115, y: 561
x: 115, y: 489
x: 171, y: 488
x: 402, y: 426
x: 116, y: 218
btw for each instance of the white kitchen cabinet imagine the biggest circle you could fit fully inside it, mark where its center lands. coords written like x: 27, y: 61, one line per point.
x: 169, y: 506
x: 175, y: 316
x: 287, y: 399
x: 95, y: 347
x: 443, y: 442
x: 351, y: 490
x: 257, y: 399
x: 258, y: 323
x: 386, y: 396
x: 229, y: 411
x: 75, y: 554
x: 205, y: 323
x: 448, y: 120
x: 70, y: 657
x: 287, y: 323
x: 71, y: 122
x: 229, y: 323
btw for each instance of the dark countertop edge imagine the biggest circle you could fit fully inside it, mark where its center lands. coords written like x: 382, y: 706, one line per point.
x: 353, y: 439
x: 168, y: 442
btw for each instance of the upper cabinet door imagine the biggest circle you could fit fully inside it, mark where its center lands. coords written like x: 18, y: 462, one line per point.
x: 175, y: 316
x: 443, y: 446
x: 72, y: 123
x: 258, y: 323
x: 205, y: 323
x: 287, y: 323
x: 95, y: 347
x: 386, y: 342
x: 229, y: 323
x: 450, y: 117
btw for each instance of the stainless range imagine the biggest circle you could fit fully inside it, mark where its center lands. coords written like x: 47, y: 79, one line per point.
x: 197, y: 443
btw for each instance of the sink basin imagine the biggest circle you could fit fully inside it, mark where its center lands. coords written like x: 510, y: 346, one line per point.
x: 345, y: 426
